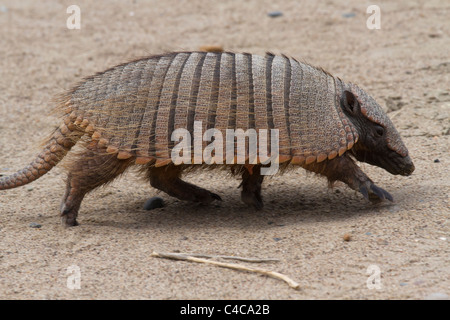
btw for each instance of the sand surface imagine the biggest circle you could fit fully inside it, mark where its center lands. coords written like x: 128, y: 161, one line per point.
x: 405, y: 65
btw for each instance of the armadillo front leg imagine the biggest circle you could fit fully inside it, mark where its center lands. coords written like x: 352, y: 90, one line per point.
x: 167, y: 179
x: 251, y: 187
x: 93, y: 168
x: 344, y: 169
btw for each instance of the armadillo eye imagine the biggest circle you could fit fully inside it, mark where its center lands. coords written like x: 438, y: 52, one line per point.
x: 379, y: 131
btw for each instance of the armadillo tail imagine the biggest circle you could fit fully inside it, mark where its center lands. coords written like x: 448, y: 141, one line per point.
x: 57, y: 146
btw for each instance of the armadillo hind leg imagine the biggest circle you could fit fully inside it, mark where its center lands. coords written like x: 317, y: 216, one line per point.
x: 251, y: 187
x: 91, y: 169
x: 345, y: 169
x: 167, y: 179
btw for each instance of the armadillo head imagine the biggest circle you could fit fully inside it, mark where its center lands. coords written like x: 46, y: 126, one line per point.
x: 379, y: 142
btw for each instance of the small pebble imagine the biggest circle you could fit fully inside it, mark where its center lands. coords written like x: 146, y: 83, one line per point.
x: 436, y: 161
x: 274, y: 14
x: 347, y: 237
x: 35, y: 225
x: 349, y: 14
x: 277, y: 239
x: 153, y: 203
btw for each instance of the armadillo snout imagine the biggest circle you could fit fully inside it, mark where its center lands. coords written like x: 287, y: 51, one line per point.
x: 400, y: 165
x: 408, y: 167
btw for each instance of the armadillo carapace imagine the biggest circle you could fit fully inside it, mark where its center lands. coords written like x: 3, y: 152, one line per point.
x: 126, y: 115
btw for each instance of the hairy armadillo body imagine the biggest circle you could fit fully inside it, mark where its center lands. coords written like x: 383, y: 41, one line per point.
x: 135, y: 107
x: 129, y: 112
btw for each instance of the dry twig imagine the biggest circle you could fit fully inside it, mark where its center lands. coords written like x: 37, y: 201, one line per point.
x: 255, y: 260
x: 273, y: 274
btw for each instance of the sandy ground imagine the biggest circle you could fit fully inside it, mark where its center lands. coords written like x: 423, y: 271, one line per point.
x: 405, y: 65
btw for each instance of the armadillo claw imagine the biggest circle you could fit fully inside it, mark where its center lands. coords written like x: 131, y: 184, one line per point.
x: 68, y: 218
x: 374, y: 194
x: 380, y: 193
x: 204, y: 196
x: 252, y: 199
x: 215, y: 196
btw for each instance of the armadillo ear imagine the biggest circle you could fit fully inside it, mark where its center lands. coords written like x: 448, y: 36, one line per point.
x: 350, y: 103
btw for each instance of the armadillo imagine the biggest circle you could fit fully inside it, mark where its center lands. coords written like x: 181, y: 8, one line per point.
x: 125, y: 116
